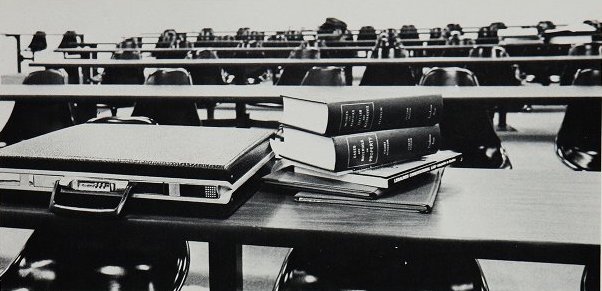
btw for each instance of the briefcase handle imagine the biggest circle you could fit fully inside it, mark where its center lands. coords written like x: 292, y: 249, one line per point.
x: 85, y: 196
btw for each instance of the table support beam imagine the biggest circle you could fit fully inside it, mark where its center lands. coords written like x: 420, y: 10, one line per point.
x: 225, y: 266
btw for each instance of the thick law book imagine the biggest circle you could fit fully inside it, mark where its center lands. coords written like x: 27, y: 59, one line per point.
x: 360, y: 150
x: 195, y: 165
x: 417, y: 194
x: 336, y: 113
x: 385, y: 176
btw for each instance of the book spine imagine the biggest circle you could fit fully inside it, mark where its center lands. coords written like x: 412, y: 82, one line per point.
x: 381, y: 114
x: 370, y: 149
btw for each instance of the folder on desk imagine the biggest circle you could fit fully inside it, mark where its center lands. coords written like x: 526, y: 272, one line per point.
x: 417, y: 194
x: 95, y: 168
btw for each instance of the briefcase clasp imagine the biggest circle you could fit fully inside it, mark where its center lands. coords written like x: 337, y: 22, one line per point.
x: 86, y: 196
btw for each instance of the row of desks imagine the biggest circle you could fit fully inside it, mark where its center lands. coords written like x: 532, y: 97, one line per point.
x: 533, y: 45
x: 273, y: 62
x: 272, y: 94
x: 490, y: 214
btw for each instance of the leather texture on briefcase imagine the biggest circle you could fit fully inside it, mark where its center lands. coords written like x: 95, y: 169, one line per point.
x: 143, y: 150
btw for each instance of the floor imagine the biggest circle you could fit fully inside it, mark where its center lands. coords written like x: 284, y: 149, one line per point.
x: 531, y: 146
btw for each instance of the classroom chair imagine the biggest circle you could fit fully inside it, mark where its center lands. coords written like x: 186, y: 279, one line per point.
x: 248, y: 75
x: 408, y: 32
x: 167, y: 112
x: 38, y: 42
x: 122, y: 76
x: 497, y: 75
x: 335, y: 29
x: 206, y: 34
x: 324, y: 76
x: 33, y: 118
x: 70, y: 40
x: 294, y: 75
x: 367, y: 33
x: 51, y: 261
x: 347, y: 268
x: 466, y: 127
x: 435, y: 33
x: 171, y: 39
x: 578, y: 140
x: 375, y: 75
x: 206, y: 75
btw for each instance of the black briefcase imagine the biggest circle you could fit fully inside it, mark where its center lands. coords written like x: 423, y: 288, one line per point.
x: 109, y: 169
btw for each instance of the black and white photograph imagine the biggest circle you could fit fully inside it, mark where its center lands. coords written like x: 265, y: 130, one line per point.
x: 285, y: 145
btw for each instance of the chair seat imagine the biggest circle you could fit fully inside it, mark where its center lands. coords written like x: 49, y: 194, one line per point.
x: 57, y: 262
x: 352, y: 269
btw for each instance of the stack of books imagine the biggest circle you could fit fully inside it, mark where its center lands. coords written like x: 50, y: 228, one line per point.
x: 359, y: 147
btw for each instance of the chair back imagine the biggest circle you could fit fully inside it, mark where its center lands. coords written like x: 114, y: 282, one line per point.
x: 205, y: 75
x: 69, y: 40
x: 578, y: 143
x: 494, y: 74
x: 169, y: 77
x: 452, y: 76
x: 388, y: 46
x: 169, y: 112
x: 294, y: 75
x: 367, y: 33
x: 38, y: 42
x: 83, y: 262
x: 124, y: 76
x: 324, y: 76
x: 33, y: 118
x: 206, y: 34
x: 467, y: 127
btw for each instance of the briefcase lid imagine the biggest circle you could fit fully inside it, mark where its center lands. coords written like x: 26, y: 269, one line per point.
x: 142, y: 150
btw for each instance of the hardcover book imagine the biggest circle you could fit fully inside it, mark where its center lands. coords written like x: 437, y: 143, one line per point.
x: 360, y: 150
x: 336, y: 113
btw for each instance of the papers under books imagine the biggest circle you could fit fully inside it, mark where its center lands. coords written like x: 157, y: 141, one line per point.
x: 384, y: 176
x: 198, y: 165
x: 417, y: 195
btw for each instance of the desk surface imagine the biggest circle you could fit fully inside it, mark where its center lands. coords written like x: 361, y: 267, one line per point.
x: 232, y: 93
x: 498, y: 214
x: 286, y: 49
x: 270, y: 62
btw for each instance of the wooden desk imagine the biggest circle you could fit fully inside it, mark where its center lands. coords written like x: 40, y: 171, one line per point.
x: 289, y: 43
x: 252, y: 93
x: 273, y: 62
x: 287, y: 49
x: 489, y: 214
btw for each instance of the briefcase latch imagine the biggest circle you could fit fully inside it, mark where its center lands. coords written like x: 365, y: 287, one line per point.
x: 85, y: 196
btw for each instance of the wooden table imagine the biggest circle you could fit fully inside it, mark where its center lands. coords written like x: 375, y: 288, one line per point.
x: 287, y: 49
x: 288, y: 43
x: 259, y: 93
x: 241, y: 95
x: 273, y: 62
x: 490, y: 214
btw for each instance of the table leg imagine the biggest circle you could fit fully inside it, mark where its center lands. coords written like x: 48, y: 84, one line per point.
x: 502, y: 125
x: 225, y: 266
x: 242, y: 117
